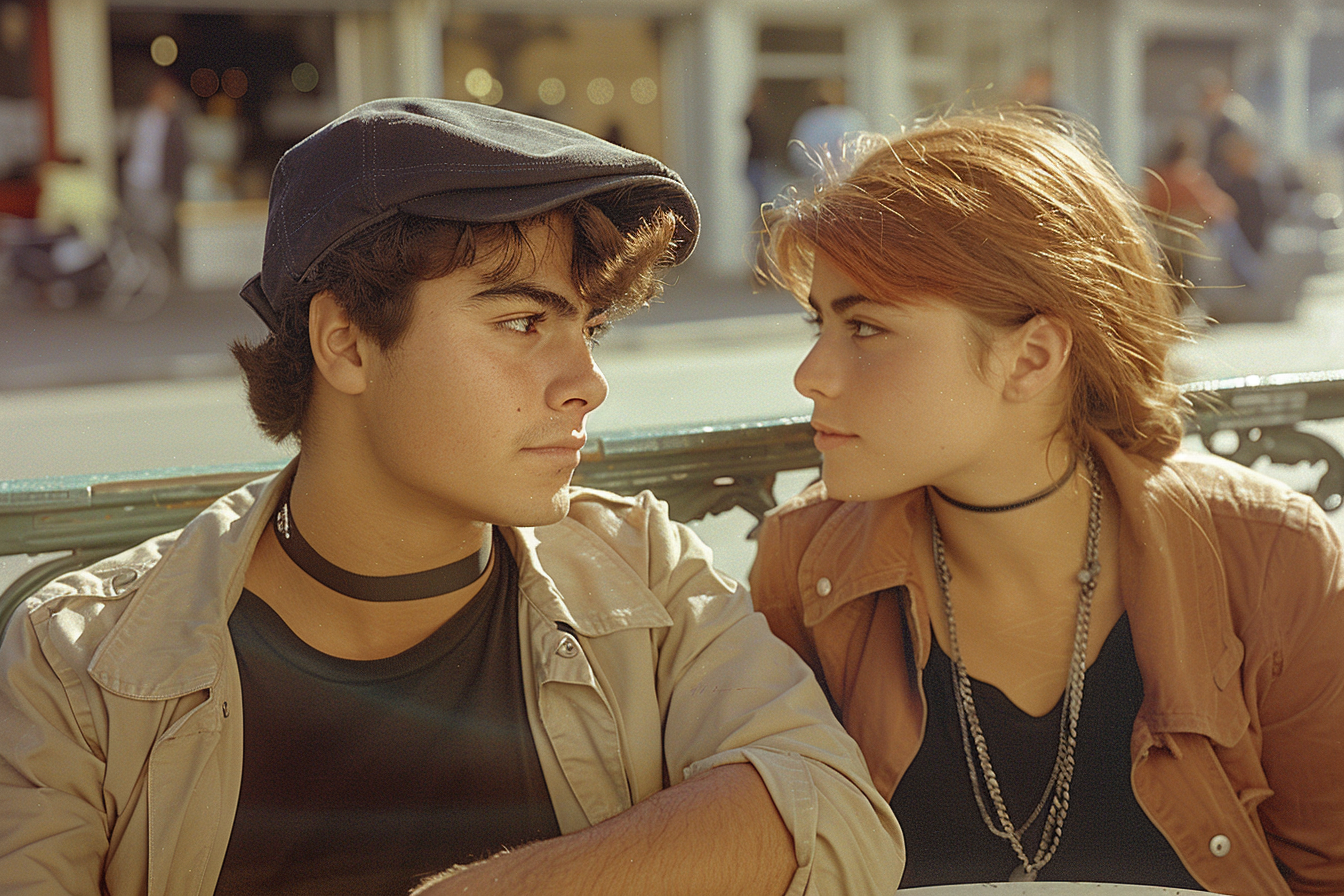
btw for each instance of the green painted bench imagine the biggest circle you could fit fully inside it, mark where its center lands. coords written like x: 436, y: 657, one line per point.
x: 697, y: 470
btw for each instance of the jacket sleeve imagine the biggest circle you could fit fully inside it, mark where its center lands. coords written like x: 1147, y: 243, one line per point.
x: 53, y: 825
x: 732, y: 692
x: 1301, y: 706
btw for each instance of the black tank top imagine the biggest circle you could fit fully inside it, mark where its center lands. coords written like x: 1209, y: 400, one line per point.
x: 1106, y: 837
x: 366, y: 776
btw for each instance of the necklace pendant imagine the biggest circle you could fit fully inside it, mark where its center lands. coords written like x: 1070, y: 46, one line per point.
x: 1022, y: 873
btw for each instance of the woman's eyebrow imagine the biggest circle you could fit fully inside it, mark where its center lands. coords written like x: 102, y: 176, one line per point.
x: 842, y: 304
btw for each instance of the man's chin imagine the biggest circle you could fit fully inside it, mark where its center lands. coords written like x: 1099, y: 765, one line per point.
x: 543, y: 512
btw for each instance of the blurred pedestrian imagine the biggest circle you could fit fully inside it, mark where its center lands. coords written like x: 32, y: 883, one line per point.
x: 1239, y: 158
x: 1224, y: 112
x: 1037, y: 88
x: 758, y: 148
x: 1185, y: 198
x: 155, y: 167
x: 820, y: 131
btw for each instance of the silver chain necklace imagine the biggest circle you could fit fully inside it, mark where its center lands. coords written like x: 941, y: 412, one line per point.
x: 1057, y: 788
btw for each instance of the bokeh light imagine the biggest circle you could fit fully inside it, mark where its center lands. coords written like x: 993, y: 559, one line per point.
x: 163, y: 50
x: 601, y: 91
x: 644, y: 91
x: 234, y: 82
x: 204, y: 82
x: 304, y: 77
x: 478, y: 82
x: 551, y: 91
x: 495, y: 95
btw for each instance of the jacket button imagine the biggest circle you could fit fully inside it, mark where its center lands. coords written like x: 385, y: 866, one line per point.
x: 1220, y: 845
x: 122, y: 580
x: 569, y: 648
x: 823, y: 586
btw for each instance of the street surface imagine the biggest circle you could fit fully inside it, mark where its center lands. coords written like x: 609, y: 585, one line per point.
x: 707, y: 366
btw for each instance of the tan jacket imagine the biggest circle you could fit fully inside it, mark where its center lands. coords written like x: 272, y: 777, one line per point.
x: 1233, y: 586
x: 121, y: 714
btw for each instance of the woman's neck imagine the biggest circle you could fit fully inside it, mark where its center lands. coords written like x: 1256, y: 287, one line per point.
x: 1014, y: 588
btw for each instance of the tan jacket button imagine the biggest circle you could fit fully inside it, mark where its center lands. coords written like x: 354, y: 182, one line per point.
x: 1220, y: 846
x: 568, y: 648
x: 823, y: 586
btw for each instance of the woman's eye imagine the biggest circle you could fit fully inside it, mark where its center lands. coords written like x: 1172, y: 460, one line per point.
x: 861, y: 328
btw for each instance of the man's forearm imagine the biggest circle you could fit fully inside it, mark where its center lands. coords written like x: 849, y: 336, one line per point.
x: 717, y: 833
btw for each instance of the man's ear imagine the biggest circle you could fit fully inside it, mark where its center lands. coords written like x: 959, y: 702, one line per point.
x: 338, y: 347
x: 1034, y: 356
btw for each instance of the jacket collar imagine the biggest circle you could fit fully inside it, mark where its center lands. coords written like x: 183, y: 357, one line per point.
x: 172, y: 639
x: 1172, y: 583
x: 570, y: 575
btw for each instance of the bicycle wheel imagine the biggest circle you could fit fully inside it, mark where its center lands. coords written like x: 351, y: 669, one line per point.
x: 140, y: 277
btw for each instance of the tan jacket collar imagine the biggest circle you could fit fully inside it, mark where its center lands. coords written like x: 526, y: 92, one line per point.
x: 571, y: 575
x: 169, y: 641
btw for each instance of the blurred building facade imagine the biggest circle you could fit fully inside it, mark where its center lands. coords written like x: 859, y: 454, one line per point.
x: 674, y: 78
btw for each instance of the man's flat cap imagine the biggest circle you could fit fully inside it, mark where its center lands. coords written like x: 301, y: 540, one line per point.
x: 452, y: 160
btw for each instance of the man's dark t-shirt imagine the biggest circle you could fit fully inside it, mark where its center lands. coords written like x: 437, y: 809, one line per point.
x: 367, y: 776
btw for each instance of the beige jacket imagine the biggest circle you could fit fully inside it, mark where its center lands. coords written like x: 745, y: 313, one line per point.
x: 121, y: 716
x: 1234, y: 586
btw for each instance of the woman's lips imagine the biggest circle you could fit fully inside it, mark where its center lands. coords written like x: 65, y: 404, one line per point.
x: 827, y: 439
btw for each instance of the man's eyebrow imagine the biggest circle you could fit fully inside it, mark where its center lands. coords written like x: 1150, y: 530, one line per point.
x: 565, y: 308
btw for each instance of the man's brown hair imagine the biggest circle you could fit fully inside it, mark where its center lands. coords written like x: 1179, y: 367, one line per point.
x: 373, y: 277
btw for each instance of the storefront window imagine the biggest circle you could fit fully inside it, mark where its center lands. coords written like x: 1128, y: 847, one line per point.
x: 601, y: 75
x: 20, y: 110
x: 255, y: 84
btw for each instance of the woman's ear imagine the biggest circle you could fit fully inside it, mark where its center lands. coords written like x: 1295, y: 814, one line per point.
x: 338, y: 347
x: 1034, y: 356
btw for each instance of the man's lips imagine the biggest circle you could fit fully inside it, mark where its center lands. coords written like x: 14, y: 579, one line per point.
x: 828, y: 438
x: 566, y: 448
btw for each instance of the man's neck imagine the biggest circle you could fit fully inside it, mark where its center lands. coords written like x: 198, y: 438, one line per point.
x: 365, y: 528
x: 361, y: 520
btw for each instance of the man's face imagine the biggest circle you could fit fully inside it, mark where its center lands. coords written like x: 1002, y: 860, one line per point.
x: 478, y: 413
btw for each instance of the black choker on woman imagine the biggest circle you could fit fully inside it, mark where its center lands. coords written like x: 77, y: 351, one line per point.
x: 411, y: 586
x: 1000, y: 508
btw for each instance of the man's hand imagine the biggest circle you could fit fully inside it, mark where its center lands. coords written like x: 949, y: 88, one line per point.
x: 716, y: 833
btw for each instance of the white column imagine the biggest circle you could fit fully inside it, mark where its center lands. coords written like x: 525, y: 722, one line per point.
x: 728, y: 69
x: 1124, y: 138
x: 1294, y: 51
x: 417, y: 36
x: 349, y: 61
x: 81, y: 63
x: 877, y: 69
x: 678, y: 55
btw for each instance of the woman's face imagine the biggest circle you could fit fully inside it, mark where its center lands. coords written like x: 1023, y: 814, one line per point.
x: 899, y: 401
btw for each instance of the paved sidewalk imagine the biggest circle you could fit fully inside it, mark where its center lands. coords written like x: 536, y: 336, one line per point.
x: 189, y: 338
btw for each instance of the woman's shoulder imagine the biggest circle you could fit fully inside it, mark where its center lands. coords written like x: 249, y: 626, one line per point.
x: 1233, y: 491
